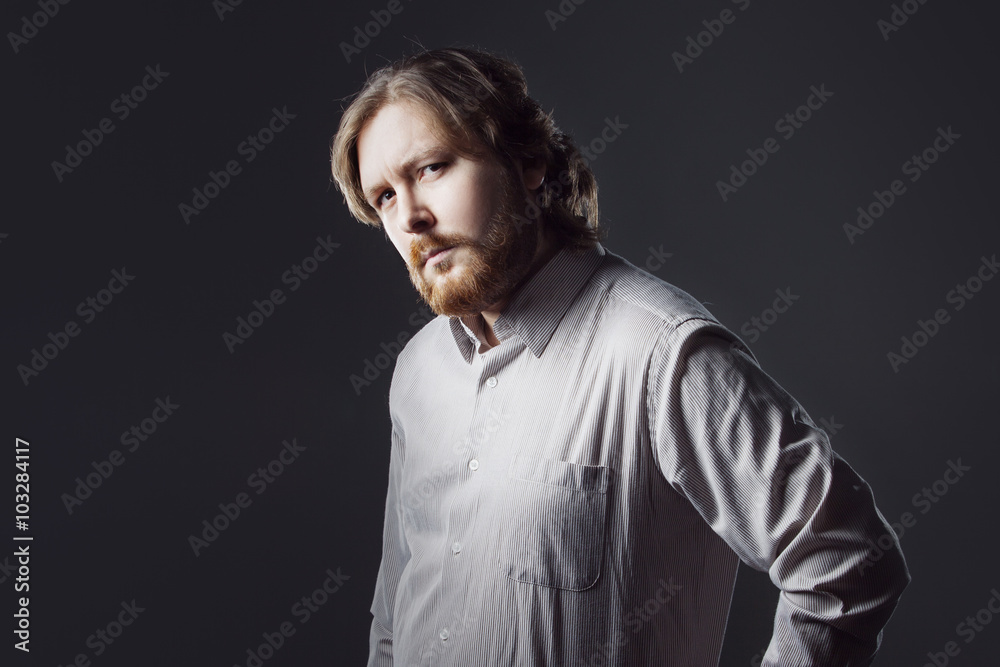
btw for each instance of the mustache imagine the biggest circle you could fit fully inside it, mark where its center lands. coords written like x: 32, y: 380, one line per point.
x: 434, y: 240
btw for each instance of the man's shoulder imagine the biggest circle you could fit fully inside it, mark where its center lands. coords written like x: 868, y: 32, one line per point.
x: 648, y: 313
x: 431, y: 341
x: 433, y: 330
x: 641, y: 295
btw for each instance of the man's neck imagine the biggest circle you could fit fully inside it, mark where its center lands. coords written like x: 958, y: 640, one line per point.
x: 546, y: 251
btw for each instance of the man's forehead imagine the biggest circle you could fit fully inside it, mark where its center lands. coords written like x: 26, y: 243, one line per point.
x: 393, y: 139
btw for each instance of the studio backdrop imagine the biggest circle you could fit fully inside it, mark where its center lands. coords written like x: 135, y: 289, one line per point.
x: 199, y: 339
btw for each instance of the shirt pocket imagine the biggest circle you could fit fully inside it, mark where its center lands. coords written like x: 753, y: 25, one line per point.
x: 552, y: 531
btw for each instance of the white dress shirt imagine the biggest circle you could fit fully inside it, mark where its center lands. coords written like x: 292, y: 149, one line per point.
x: 581, y: 494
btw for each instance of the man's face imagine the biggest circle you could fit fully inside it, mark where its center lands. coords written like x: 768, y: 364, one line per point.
x: 451, y: 217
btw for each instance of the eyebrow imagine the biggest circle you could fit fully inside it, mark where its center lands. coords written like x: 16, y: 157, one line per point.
x: 411, y: 161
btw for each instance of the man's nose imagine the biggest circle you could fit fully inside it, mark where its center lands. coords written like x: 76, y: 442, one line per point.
x: 414, y: 216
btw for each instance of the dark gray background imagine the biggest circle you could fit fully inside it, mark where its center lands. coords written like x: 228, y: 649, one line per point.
x: 162, y: 336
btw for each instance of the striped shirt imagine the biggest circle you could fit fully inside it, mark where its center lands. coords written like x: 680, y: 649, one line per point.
x: 582, y: 493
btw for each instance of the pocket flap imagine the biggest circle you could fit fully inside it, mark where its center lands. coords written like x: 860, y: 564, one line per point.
x: 560, y: 473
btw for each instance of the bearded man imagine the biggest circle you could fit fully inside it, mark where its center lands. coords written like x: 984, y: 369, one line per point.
x: 581, y: 454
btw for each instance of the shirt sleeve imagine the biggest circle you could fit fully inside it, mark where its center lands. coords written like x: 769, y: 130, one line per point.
x: 763, y: 475
x: 395, y: 555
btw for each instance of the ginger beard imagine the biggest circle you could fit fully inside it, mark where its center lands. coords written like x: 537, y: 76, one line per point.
x: 489, y: 269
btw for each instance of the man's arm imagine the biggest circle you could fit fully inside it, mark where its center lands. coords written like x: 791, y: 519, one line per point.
x: 395, y: 554
x: 765, y: 478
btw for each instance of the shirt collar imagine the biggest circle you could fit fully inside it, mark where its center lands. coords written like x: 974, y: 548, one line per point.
x: 536, y: 309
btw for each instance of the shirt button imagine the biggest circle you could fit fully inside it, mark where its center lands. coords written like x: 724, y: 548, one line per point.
x: 474, y: 464
x: 491, y: 382
x: 456, y: 547
x: 443, y: 634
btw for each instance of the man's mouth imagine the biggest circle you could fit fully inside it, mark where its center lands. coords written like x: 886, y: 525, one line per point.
x: 432, y: 257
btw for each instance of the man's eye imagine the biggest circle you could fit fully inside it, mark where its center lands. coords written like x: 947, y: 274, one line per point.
x: 381, y: 198
x: 436, y: 167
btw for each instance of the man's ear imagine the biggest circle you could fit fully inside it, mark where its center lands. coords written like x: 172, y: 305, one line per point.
x: 532, y: 173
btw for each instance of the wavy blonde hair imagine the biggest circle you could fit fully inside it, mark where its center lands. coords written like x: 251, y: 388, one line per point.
x: 475, y: 100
